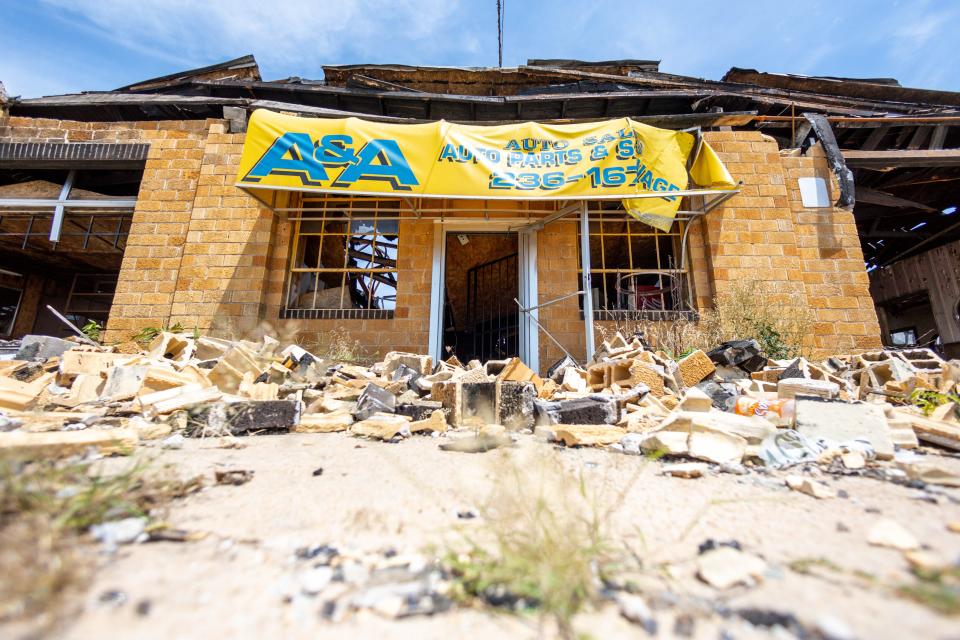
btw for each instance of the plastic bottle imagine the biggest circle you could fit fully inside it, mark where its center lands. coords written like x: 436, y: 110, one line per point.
x: 778, y: 411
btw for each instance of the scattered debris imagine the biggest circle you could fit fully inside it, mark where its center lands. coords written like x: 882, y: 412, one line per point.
x: 810, y: 487
x: 890, y: 533
x: 725, y: 567
x: 233, y: 476
x: 685, y: 469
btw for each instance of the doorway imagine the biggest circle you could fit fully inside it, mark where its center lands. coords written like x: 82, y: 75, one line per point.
x: 481, y: 282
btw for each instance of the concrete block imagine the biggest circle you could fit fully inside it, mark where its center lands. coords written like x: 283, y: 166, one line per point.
x: 723, y: 395
x: 478, y: 402
x: 745, y: 354
x: 694, y: 368
x: 39, y: 348
x: 374, y: 399
x: 467, y: 402
x: 843, y: 421
x: 590, y: 410
x: 793, y: 387
x: 514, y: 404
x: 420, y: 409
x: 244, y: 418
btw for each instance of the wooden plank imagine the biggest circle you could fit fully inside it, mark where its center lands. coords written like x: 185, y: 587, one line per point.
x: 918, y: 138
x: 903, y: 158
x: 938, y: 137
x: 873, y: 140
x: 882, y: 198
x: 937, y: 432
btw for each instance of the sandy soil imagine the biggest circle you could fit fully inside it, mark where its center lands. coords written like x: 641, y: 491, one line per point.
x: 373, y: 495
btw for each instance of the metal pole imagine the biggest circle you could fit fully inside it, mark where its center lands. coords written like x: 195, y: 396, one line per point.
x: 57, y: 223
x: 585, y: 280
x: 549, y: 335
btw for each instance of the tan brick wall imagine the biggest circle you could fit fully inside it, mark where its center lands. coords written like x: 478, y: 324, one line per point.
x: 833, y: 271
x: 753, y: 236
x: 205, y: 254
x: 222, y: 274
x: 557, y: 266
x: 409, y: 330
x: 160, y: 221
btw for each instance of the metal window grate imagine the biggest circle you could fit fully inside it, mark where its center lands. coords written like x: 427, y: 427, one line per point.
x: 343, y: 258
x: 634, y: 267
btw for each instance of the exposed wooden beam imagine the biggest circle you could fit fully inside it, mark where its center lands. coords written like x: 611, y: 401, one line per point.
x: 882, y: 198
x: 903, y: 158
x: 873, y: 140
x: 918, y: 138
x: 890, y: 235
x: 938, y: 137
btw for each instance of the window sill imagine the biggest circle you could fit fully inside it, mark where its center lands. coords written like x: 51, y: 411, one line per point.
x: 336, y: 314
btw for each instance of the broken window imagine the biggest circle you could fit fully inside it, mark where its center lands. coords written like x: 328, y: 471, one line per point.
x: 343, y: 260
x: 9, y: 303
x: 90, y: 297
x: 635, y: 269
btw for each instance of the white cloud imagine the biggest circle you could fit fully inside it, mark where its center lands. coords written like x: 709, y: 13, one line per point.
x: 285, y: 33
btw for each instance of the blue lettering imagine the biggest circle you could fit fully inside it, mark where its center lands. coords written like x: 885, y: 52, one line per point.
x: 301, y: 162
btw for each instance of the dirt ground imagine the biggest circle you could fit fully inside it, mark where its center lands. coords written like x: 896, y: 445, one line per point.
x: 238, y: 580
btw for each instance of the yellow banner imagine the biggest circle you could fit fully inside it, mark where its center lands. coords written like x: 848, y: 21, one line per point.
x: 617, y: 159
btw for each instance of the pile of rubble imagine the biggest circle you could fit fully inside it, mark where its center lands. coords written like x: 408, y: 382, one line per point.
x: 730, y: 406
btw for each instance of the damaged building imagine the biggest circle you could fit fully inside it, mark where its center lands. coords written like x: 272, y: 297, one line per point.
x: 140, y: 207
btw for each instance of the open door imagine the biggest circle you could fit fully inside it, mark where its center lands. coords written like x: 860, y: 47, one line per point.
x: 479, y: 277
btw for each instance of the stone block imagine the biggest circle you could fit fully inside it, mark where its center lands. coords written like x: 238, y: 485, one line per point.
x: 419, y: 363
x: 588, y: 435
x: 695, y: 400
x: 383, y: 426
x: 323, y: 422
x: 716, y: 446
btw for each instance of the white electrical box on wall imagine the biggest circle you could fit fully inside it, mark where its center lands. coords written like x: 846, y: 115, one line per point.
x: 813, y: 193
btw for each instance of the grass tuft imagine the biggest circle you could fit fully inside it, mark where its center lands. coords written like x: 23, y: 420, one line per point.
x: 543, y: 544
x: 46, y: 509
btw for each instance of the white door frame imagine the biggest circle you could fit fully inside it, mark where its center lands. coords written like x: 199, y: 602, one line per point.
x: 527, y: 285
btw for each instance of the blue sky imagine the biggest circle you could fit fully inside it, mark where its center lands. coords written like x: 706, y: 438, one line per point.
x: 62, y: 46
